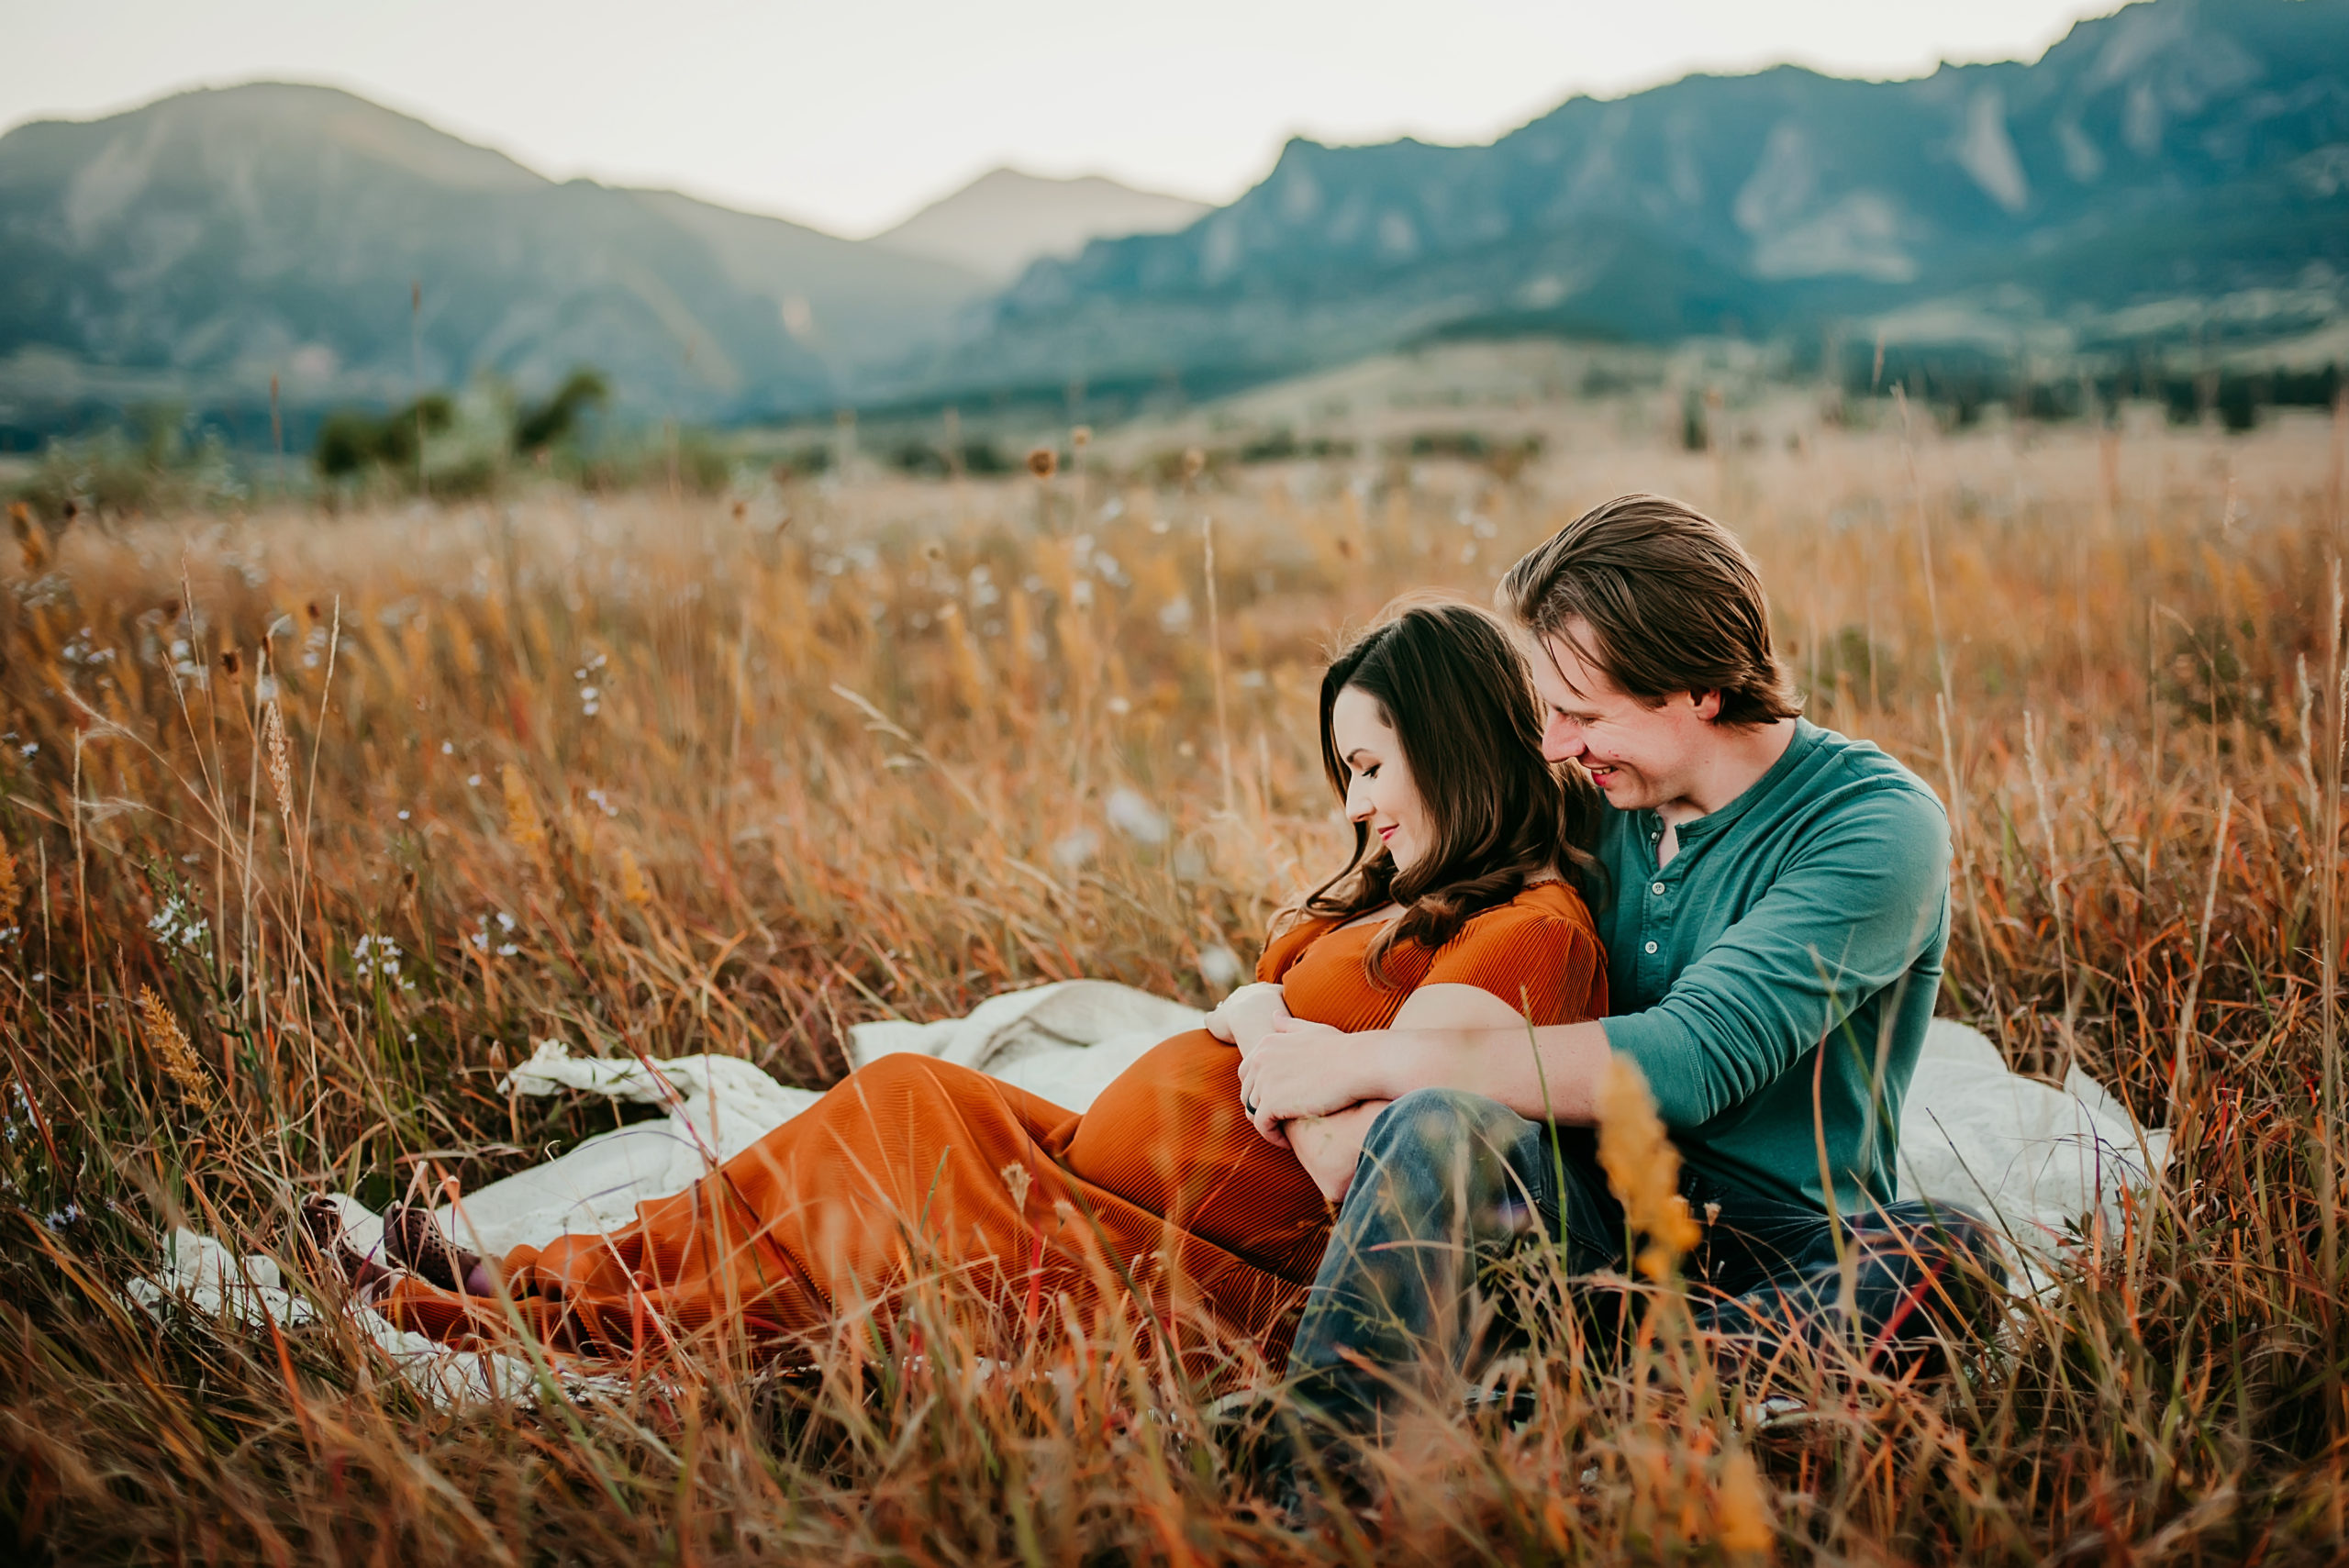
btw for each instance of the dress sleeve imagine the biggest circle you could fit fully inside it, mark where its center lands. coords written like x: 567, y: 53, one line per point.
x: 1546, y: 966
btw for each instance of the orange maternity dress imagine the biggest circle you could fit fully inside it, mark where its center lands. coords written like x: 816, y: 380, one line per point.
x: 1160, y: 1202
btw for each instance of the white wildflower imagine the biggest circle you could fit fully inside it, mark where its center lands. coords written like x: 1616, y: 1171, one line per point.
x: 178, y: 924
x: 1134, y: 816
x: 378, y: 958
x: 1077, y: 849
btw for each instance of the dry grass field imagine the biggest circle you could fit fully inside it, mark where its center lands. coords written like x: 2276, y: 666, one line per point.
x: 314, y: 823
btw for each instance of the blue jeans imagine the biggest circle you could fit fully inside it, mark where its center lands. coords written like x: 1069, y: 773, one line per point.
x: 1451, y: 1185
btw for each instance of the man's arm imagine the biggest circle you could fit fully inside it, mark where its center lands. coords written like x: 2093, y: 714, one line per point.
x: 1545, y: 1074
x: 1449, y: 1037
x: 1846, y: 919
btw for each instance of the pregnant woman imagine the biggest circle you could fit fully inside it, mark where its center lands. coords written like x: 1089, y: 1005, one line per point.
x: 1161, y: 1201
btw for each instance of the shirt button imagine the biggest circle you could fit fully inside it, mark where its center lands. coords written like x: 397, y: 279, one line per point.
x: 1651, y: 947
x: 1657, y: 889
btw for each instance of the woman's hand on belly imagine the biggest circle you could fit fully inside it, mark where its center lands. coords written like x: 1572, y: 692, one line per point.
x: 1330, y: 1147
x: 1248, y: 1015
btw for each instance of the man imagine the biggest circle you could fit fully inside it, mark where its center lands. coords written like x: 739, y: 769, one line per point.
x: 1775, y: 911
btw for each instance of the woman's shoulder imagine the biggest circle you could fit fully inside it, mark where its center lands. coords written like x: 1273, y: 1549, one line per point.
x: 1543, y: 904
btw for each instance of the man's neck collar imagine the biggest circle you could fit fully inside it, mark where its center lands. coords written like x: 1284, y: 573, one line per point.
x: 1745, y: 759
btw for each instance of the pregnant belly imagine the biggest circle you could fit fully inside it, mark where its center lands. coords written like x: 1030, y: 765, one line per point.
x: 1168, y: 1136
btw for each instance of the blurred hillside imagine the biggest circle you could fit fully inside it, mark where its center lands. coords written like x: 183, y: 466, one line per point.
x: 189, y: 250
x: 1006, y: 218
x: 2179, y: 171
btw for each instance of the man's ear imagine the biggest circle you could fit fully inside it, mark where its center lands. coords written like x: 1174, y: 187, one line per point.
x: 1707, y: 704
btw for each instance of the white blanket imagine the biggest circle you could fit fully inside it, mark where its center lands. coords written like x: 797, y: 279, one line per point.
x: 2037, y: 1161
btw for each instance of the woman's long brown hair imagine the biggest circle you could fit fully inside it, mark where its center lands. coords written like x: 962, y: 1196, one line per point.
x: 1456, y: 688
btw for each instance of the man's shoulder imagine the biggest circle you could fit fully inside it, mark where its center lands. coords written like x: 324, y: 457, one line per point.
x: 1862, y: 810
x: 1844, y: 775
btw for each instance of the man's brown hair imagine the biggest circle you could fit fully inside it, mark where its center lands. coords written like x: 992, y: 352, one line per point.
x: 1668, y: 602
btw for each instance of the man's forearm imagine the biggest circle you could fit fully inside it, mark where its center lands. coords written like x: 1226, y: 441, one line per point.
x: 1549, y: 1073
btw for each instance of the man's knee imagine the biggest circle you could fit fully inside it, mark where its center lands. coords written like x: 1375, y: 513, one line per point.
x: 1441, y: 1125
x: 1448, y: 1158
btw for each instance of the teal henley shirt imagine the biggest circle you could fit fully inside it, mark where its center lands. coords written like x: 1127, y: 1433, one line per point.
x: 1773, y: 982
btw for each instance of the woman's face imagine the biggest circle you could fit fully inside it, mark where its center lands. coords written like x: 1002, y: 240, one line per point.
x: 1379, y: 790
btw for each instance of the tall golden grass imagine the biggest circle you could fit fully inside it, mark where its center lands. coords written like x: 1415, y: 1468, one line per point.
x: 313, y: 826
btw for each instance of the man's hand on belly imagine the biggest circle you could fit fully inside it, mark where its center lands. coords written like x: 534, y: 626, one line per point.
x: 1305, y: 1068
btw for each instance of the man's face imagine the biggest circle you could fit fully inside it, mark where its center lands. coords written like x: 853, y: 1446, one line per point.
x: 1643, y: 757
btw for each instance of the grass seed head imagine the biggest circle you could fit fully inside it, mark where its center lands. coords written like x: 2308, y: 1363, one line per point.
x: 1741, y: 1507
x: 1642, y: 1167
x: 635, y: 891
x: 1044, y: 462
x: 169, y: 1042
x: 523, y: 824
x: 28, y: 538
x: 276, y: 759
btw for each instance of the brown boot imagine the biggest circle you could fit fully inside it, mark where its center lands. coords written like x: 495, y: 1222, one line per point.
x: 322, y: 1239
x: 412, y: 1238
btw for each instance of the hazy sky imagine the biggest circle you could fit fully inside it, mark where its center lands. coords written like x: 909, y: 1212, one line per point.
x: 852, y: 114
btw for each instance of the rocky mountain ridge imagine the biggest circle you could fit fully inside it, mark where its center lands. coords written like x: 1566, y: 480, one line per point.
x: 2178, y: 150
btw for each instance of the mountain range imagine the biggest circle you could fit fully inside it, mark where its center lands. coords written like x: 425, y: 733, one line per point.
x: 2181, y: 165
x: 2177, y: 169
x: 1006, y: 218
x: 189, y: 251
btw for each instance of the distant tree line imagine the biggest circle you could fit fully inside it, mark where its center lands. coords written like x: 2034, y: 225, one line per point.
x: 353, y: 441
x: 1963, y: 383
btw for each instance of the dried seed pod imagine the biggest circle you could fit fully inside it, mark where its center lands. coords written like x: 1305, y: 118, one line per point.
x: 276, y: 760
x: 523, y: 824
x: 1044, y: 462
x: 1642, y: 1167
x: 172, y: 1050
